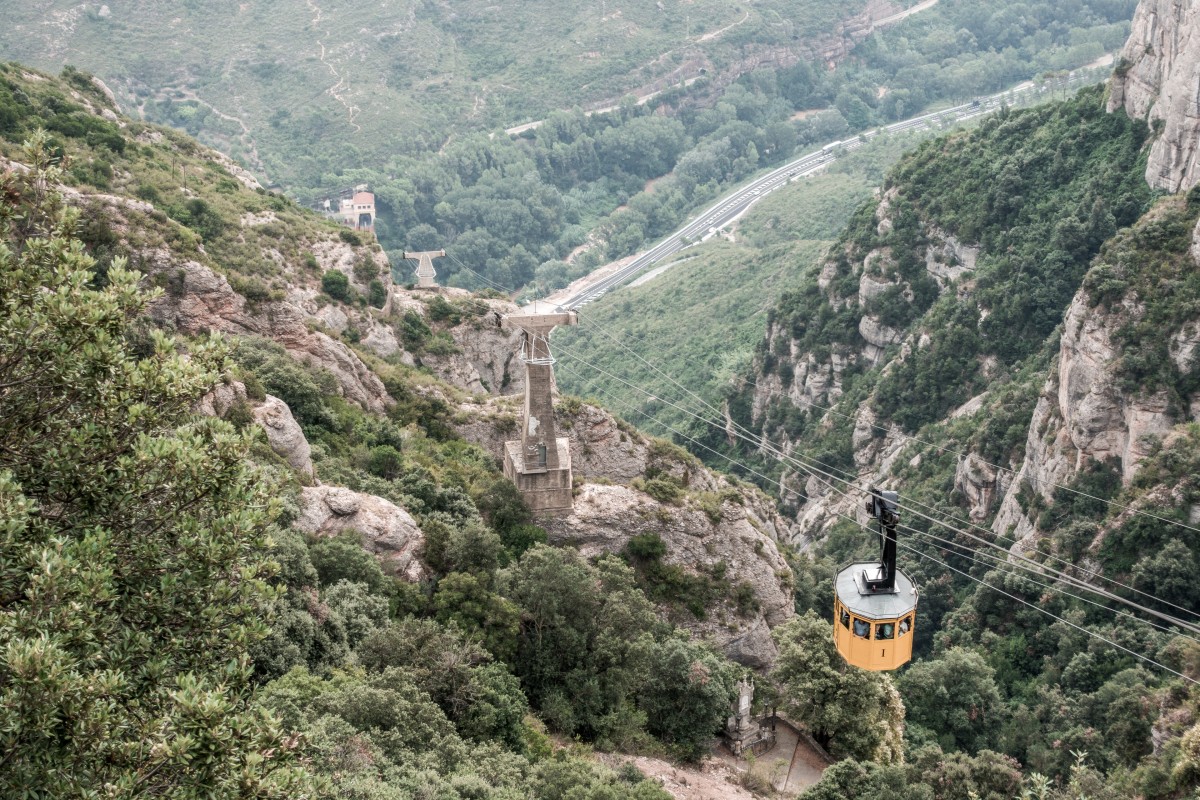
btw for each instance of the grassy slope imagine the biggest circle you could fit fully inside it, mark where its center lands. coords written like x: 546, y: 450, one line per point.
x: 701, y: 321
x: 412, y: 72
x: 195, y: 208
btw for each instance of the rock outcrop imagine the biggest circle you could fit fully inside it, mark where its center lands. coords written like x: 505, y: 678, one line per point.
x: 486, y: 356
x: 221, y: 398
x: 1083, y: 414
x: 284, y: 435
x: 1157, y: 79
x: 605, y: 517
x: 202, y: 301
x: 387, y: 530
x: 607, y: 455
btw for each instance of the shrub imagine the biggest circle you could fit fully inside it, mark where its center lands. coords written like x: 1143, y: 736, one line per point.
x: 646, y: 547
x: 377, y: 293
x: 663, y: 488
x: 199, y: 216
x: 336, y: 285
x: 385, y: 462
x: 365, y: 269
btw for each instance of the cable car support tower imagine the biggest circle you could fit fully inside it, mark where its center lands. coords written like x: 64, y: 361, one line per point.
x: 540, y: 462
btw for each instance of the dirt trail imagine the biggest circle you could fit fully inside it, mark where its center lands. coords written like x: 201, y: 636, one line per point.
x: 340, y: 90
x: 714, y: 34
x: 247, y: 137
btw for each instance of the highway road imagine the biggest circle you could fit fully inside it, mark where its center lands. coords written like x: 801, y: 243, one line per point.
x: 733, y: 205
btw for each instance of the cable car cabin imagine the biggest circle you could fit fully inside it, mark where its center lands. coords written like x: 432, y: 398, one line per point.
x: 873, y: 630
x: 875, y: 604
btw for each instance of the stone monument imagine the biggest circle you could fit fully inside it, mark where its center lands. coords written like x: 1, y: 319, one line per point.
x: 742, y: 732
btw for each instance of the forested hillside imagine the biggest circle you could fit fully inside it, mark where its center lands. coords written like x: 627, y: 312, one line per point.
x: 249, y: 549
x: 255, y: 541
x: 999, y: 336
x: 410, y: 100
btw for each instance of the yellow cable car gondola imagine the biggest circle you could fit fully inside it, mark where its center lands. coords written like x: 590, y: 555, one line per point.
x: 875, y: 604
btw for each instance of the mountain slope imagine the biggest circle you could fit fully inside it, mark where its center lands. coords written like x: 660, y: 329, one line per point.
x: 1006, y: 338
x: 355, y: 81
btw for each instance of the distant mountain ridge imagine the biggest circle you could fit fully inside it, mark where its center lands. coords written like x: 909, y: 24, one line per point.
x: 359, y: 81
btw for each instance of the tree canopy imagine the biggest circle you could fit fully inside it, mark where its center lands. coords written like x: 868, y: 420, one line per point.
x: 132, y: 538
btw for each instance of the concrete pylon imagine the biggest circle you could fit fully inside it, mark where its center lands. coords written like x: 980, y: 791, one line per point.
x: 425, y: 271
x: 540, y: 462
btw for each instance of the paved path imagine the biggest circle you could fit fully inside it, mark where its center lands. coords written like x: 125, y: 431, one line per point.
x: 792, y: 765
x: 908, y: 12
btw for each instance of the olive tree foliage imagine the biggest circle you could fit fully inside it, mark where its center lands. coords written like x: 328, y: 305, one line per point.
x: 855, y: 713
x: 131, y: 577
x: 954, y: 696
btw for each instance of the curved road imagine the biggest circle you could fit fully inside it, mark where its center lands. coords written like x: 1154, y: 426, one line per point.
x: 733, y: 205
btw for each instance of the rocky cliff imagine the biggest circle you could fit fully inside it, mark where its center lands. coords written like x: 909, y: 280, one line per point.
x: 1158, y: 79
x: 629, y: 485
x: 1112, y: 399
x: 925, y: 357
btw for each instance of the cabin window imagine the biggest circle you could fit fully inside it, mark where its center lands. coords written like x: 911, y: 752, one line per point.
x: 845, y: 618
x: 905, y: 625
x: 862, y: 629
x: 885, y: 630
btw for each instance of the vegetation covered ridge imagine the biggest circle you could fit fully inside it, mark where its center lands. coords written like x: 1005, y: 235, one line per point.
x: 964, y: 343
x: 238, y: 644
x: 412, y: 110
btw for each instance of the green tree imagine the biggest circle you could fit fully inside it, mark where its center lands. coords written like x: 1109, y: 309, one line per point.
x: 132, y: 539
x: 855, y: 713
x: 586, y: 641
x: 851, y: 778
x: 342, y: 558
x: 955, y: 697
x: 464, y: 599
x: 361, y: 612
x: 687, y: 696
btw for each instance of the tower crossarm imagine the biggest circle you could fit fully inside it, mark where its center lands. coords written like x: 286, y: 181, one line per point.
x: 425, y: 271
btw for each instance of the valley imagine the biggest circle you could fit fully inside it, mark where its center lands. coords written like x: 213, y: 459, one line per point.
x: 275, y: 522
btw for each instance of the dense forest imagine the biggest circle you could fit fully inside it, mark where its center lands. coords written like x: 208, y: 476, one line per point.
x: 581, y: 190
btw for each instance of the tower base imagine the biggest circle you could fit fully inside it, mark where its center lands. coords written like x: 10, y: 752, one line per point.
x: 544, y: 490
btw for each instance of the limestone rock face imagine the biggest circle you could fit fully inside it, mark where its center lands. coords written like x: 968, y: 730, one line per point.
x: 387, y: 530
x: 284, y: 434
x: 817, y: 381
x: 816, y: 377
x: 200, y: 300
x: 605, y: 517
x: 1158, y: 79
x: 982, y: 484
x: 1083, y: 415
x: 272, y: 415
x: 487, y: 360
x: 221, y: 398
x: 600, y: 448
x: 877, y: 336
